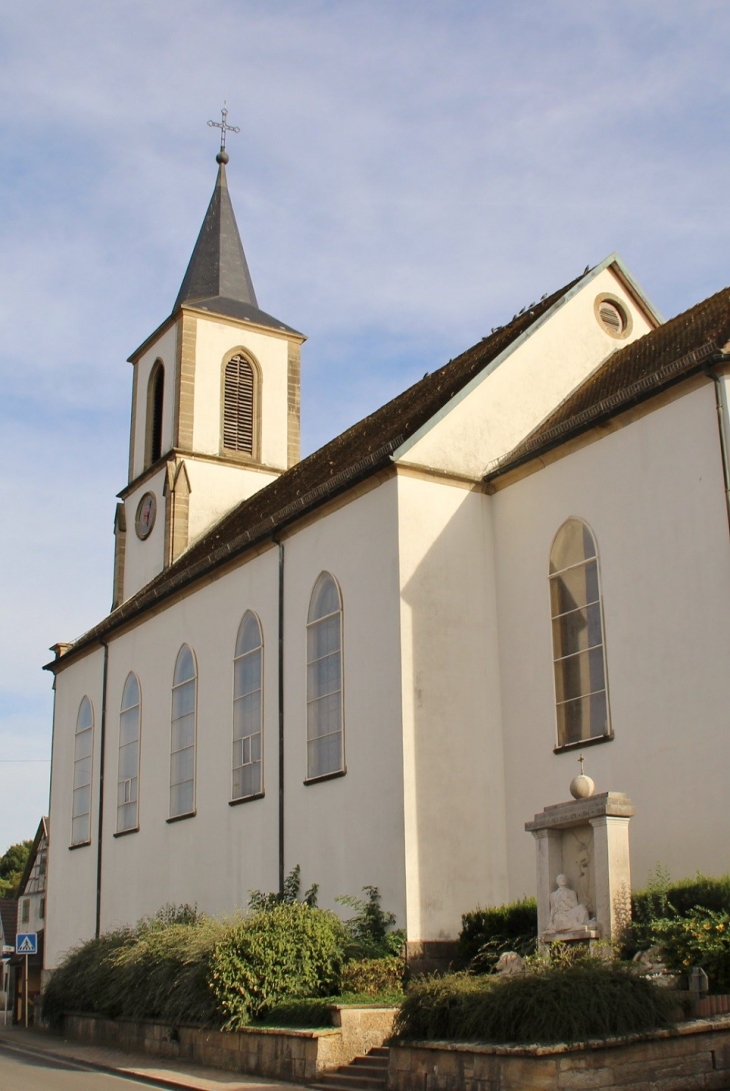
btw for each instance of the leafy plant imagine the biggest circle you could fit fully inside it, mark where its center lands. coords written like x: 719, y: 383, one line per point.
x: 12, y: 866
x: 701, y: 938
x: 286, y: 951
x: 589, y: 999
x: 373, y: 976
x: 488, y: 933
x: 258, y: 900
x: 370, y: 930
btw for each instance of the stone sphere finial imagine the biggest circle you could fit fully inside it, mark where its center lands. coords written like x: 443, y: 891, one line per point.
x: 581, y: 787
x: 222, y: 157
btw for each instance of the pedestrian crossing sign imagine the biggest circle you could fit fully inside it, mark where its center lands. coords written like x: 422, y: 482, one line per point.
x: 26, y: 943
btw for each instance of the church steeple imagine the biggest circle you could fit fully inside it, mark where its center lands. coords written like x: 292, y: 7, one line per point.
x: 218, y: 269
x: 215, y: 403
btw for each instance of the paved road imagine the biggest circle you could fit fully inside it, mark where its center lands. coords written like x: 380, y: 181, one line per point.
x: 25, y: 1071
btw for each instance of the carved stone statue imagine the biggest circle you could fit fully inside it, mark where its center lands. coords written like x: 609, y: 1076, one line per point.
x: 566, y: 912
x: 509, y: 964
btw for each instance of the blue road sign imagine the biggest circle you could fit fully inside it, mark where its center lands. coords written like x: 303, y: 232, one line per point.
x: 26, y: 943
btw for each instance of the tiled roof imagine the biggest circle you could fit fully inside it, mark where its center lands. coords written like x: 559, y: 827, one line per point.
x: 665, y: 356
x: 351, y: 457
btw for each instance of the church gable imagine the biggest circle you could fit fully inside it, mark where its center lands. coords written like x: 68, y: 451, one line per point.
x: 592, y: 319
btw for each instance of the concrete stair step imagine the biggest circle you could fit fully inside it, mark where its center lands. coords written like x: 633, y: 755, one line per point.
x: 344, y: 1082
x: 378, y: 1063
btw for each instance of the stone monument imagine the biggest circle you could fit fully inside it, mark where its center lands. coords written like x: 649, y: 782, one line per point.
x: 583, y: 869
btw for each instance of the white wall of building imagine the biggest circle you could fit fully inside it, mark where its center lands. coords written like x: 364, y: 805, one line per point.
x: 505, y: 403
x: 215, y: 343
x: 345, y: 832
x: 144, y: 558
x: 164, y: 348
x: 71, y: 885
x: 216, y: 488
x: 653, y: 494
x: 452, y: 739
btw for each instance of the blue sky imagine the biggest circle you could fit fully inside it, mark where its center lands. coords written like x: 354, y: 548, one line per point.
x: 408, y: 175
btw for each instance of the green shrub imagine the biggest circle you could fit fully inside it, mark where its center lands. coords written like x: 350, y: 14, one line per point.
x: 156, y: 970
x: 287, y: 951
x: 258, y: 899
x: 701, y: 938
x: 370, y: 976
x: 370, y: 930
x: 487, y: 933
x: 589, y: 999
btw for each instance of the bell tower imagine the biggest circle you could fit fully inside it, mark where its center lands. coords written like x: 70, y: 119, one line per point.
x: 215, y: 403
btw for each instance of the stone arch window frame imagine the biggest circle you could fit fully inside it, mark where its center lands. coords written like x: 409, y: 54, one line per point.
x: 257, y: 395
x: 83, y: 761
x: 178, y: 685
x: 122, y: 830
x: 258, y: 793
x: 608, y: 735
x: 315, y: 778
x: 154, y: 413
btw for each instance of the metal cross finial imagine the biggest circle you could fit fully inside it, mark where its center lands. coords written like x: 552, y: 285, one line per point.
x: 581, y: 760
x: 224, y: 127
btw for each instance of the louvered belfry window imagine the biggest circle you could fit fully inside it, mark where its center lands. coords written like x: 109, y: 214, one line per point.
x: 238, y: 409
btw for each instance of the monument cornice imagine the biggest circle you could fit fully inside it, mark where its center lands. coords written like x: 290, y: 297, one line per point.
x: 576, y: 812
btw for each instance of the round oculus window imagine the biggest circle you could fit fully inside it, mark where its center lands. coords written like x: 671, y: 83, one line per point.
x: 612, y: 317
x: 146, y: 512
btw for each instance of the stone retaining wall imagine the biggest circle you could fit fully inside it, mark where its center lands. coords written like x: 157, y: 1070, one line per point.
x: 695, y: 1056
x: 280, y: 1053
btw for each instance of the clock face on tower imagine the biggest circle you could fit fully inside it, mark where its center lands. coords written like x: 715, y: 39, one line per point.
x: 146, y: 512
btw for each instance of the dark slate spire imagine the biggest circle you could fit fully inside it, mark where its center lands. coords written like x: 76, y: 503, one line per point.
x: 218, y: 267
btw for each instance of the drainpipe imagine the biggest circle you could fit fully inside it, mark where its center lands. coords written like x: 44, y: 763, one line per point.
x: 280, y: 546
x: 723, y: 423
x: 102, y: 740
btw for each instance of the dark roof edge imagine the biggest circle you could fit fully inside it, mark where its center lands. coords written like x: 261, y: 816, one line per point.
x: 41, y: 832
x: 305, y: 503
x: 642, y: 390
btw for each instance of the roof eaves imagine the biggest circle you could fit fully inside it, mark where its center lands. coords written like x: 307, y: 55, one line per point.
x: 506, y: 352
x: 610, y: 406
x: 153, y: 595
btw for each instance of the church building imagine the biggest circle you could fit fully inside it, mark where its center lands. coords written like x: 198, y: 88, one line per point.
x: 379, y: 661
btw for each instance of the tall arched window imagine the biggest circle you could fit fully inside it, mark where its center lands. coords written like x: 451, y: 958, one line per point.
x: 238, y: 405
x: 155, y: 398
x: 182, y: 749
x: 128, y: 775
x: 325, y: 742
x: 578, y: 649
x: 83, y: 750
x: 247, y: 708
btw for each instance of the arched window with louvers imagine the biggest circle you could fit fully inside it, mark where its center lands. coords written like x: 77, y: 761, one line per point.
x: 579, y: 654
x: 241, y: 393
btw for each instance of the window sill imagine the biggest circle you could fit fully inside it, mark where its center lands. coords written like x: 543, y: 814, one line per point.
x: 79, y: 845
x: 246, y: 799
x: 180, y: 817
x: 325, y: 776
x: 582, y: 743
x: 123, y: 833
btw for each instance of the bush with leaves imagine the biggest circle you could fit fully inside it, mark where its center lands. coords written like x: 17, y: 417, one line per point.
x: 488, y: 933
x: 588, y: 999
x: 157, y: 970
x: 258, y: 899
x: 700, y: 938
x: 288, y: 950
x: 12, y: 866
x: 370, y: 930
x: 373, y: 976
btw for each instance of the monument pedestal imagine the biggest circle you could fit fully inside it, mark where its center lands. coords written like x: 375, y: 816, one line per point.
x: 587, y: 841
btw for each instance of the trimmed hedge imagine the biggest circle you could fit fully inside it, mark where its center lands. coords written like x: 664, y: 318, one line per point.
x: 371, y: 976
x: 589, y: 999
x: 486, y: 933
